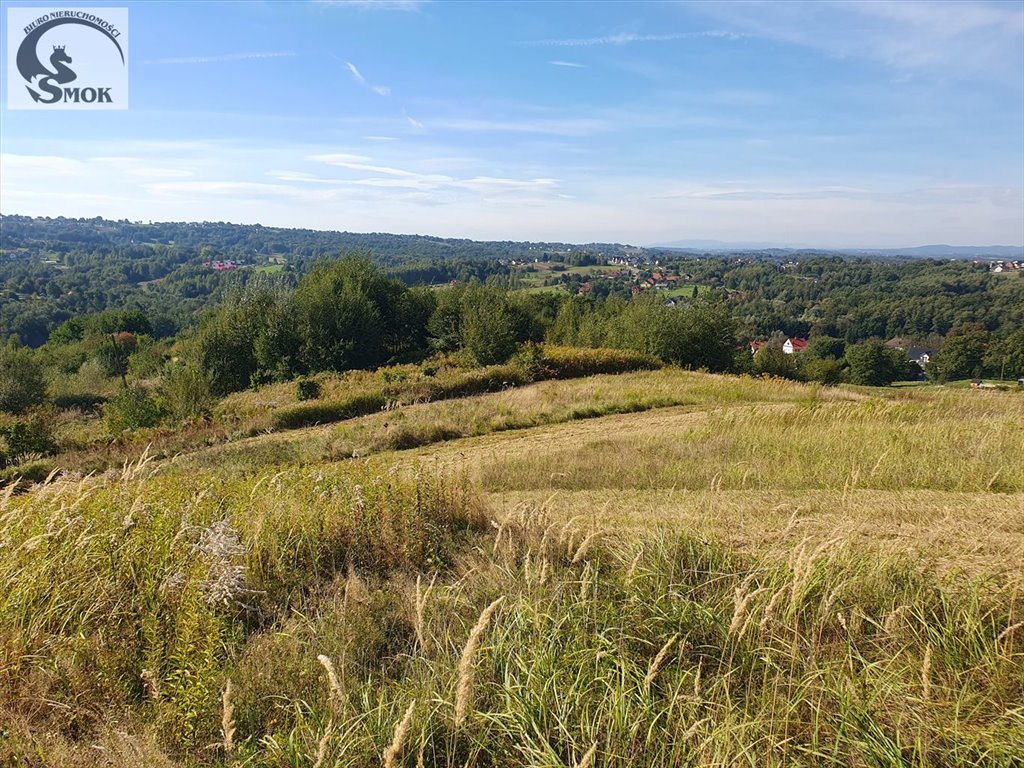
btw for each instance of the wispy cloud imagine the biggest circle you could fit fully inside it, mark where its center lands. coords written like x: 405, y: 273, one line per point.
x: 244, y: 189
x: 358, y: 163
x: 571, y: 64
x: 412, y: 121
x: 381, y: 90
x: 569, y: 126
x: 374, y: 5
x: 387, y: 177
x: 949, y: 39
x: 625, y: 38
x: 225, y: 57
x: 43, y: 165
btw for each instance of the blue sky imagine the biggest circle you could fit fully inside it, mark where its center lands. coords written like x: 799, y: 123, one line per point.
x: 832, y: 124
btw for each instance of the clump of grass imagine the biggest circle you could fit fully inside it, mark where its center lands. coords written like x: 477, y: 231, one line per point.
x: 128, y: 601
x: 394, y: 750
x: 317, y: 412
x: 466, y: 673
x: 146, y: 584
x: 228, y: 725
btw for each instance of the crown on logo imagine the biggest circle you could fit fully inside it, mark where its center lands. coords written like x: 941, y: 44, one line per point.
x: 58, y: 48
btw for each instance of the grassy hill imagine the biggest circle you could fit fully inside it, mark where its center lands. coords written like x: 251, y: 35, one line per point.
x: 656, y: 568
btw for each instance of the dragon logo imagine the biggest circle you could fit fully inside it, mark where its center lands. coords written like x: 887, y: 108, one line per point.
x: 48, y: 84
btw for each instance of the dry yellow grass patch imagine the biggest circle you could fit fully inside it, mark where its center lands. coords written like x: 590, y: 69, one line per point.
x: 978, y: 532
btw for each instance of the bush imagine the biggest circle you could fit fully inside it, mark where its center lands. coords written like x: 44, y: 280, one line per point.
x: 323, y: 413
x: 26, y: 437
x: 575, y: 362
x: 21, y: 379
x: 132, y: 409
x: 493, y: 378
x: 186, y: 391
x: 875, y: 365
x: 83, y: 401
x: 828, y: 371
x: 307, y: 389
x: 771, y: 360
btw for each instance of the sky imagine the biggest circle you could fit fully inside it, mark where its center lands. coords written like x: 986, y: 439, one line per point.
x: 817, y: 124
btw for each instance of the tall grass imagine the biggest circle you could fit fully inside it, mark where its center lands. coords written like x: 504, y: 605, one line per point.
x: 957, y: 444
x: 542, y: 403
x: 116, y: 590
x: 367, y: 612
x: 533, y: 648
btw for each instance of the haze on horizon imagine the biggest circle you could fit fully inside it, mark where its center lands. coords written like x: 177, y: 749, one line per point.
x: 828, y: 124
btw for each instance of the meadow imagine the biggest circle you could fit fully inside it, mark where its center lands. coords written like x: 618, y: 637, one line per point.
x: 656, y: 568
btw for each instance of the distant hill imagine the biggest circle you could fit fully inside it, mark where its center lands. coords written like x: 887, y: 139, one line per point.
x: 920, y: 251
x: 952, y: 251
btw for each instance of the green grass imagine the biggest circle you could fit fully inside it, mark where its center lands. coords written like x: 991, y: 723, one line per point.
x: 687, y: 290
x: 766, y: 573
x: 663, y: 649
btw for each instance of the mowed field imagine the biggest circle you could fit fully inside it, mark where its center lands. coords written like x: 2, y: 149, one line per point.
x: 938, y: 474
x: 662, y: 568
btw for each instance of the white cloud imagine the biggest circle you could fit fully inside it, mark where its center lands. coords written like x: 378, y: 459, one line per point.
x: 947, y: 38
x: 225, y: 57
x: 243, y: 189
x: 374, y: 5
x: 41, y: 165
x: 357, y: 163
x: 388, y: 177
x: 625, y: 38
x: 132, y: 166
x: 558, y: 126
x: 571, y: 64
x: 381, y: 90
x: 412, y: 121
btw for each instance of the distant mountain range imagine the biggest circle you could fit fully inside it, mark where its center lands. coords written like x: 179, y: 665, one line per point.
x: 924, y: 251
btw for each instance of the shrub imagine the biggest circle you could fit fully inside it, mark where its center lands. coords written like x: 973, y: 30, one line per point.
x: 21, y: 379
x: 132, y: 409
x: 493, y: 378
x: 26, y: 437
x: 323, y: 413
x: 875, y: 365
x: 307, y: 389
x: 826, y: 370
x: 83, y: 401
x: 574, y: 362
x: 186, y: 391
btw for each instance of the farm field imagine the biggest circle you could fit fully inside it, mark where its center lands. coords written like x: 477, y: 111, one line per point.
x: 657, y: 568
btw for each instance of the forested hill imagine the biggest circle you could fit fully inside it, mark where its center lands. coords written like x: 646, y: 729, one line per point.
x: 53, y: 270
x: 254, y: 241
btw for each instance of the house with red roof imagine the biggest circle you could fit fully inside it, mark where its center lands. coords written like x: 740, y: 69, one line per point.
x: 794, y: 345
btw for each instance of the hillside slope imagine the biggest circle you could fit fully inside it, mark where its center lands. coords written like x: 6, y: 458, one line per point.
x: 652, y: 569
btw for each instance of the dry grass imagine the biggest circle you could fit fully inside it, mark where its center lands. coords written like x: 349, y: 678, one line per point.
x: 542, y: 403
x: 976, y: 532
x: 768, y: 574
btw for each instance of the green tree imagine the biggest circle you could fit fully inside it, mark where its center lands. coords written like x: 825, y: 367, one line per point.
x: 698, y: 335
x: 773, y: 361
x: 488, y: 325
x: 445, y: 324
x: 21, y: 379
x: 825, y: 347
x: 875, y: 365
x: 570, y: 319
x: 345, y: 315
x: 1005, y: 358
x: 962, y: 355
